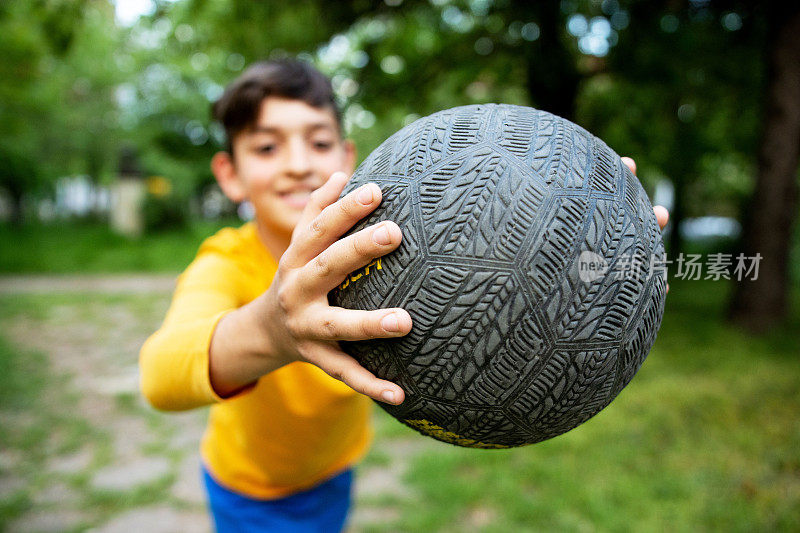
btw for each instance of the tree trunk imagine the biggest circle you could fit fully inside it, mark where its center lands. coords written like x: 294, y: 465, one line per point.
x: 16, y: 217
x: 683, y: 172
x: 552, y: 77
x: 763, y: 302
x: 677, y: 216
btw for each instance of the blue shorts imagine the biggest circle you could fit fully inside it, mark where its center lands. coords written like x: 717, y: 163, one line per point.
x: 320, y: 509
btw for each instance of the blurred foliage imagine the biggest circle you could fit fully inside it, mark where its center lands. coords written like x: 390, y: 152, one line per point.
x: 164, y: 213
x: 58, y: 114
x: 683, y: 93
x: 676, y: 85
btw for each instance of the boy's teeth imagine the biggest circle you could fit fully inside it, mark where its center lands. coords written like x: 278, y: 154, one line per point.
x: 297, y: 199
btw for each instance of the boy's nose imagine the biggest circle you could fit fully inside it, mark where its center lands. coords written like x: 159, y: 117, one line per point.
x: 298, y: 164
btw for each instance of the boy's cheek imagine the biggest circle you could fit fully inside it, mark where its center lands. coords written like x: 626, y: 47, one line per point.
x: 277, y: 213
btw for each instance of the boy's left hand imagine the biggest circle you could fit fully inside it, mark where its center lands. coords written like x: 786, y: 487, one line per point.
x: 662, y: 215
x: 303, y: 325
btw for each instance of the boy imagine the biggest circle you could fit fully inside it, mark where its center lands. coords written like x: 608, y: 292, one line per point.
x: 251, y: 312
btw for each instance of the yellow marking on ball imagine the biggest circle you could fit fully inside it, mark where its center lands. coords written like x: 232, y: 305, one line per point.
x: 440, y: 433
x: 361, y: 273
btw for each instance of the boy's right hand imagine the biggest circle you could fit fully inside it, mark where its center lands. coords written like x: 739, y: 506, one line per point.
x: 299, y: 323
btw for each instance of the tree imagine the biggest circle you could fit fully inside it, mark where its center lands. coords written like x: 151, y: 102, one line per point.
x: 680, y: 92
x: 421, y: 57
x: 772, y: 214
x: 56, y: 88
x: 22, y: 49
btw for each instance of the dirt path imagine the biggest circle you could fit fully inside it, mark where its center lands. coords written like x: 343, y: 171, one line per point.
x: 111, y: 463
x: 108, y: 284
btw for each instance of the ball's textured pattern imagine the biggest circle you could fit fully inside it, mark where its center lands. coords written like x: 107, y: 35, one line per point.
x: 510, y: 344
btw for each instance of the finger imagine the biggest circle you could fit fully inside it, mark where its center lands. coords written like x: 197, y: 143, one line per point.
x: 334, y: 220
x: 340, y: 259
x: 323, y: 197
x: 662, y: 215
x: 338, y: 324
x: 630, y: 163
x: 341, y: 366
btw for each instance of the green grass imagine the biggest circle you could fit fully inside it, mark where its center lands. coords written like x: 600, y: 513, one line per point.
x: 33, y: 410
x: 41, y: 419
x: 21, y: 379
x: 706, y: 437
x: 32, y: 425
x: 84, y: 248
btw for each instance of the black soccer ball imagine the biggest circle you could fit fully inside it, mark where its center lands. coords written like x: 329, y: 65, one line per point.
x: 529, y: 265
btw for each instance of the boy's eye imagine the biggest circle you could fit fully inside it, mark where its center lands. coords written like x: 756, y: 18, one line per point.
x: 266, y: 149
x: 323, y: 145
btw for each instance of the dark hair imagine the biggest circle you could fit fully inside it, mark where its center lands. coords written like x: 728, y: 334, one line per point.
x: 238, y: 107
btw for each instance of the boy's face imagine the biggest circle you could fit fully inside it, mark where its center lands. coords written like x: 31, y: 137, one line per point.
x: 292, y: 149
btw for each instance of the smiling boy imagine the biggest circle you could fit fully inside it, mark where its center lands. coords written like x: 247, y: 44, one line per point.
x: 250, y: 331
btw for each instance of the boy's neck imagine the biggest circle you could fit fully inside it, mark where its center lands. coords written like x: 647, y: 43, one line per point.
x: 275, y: 243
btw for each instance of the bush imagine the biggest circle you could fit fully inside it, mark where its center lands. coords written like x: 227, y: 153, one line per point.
x: 163, y: 213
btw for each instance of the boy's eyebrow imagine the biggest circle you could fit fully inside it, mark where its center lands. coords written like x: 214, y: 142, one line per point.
x: 308, y: 127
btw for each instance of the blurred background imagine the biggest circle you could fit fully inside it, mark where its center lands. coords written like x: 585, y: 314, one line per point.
x: 106, y: 193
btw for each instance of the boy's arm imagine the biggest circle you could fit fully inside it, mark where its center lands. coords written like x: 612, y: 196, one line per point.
x: 293, y: 321
x: 173, y: 362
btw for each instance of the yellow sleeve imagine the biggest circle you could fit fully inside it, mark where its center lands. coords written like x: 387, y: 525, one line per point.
x: 173, y: 362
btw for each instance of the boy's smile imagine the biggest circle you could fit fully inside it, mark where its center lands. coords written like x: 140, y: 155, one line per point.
x: 290, y: 151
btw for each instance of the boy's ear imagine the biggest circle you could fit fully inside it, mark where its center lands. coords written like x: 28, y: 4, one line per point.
x: 225, y: 172
x: 349, y: 156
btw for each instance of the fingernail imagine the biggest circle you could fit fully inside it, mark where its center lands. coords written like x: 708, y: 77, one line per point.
x: 388, y: 396
x: 365, y: 195
x: 381, y: 235
x: 390, y: 322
